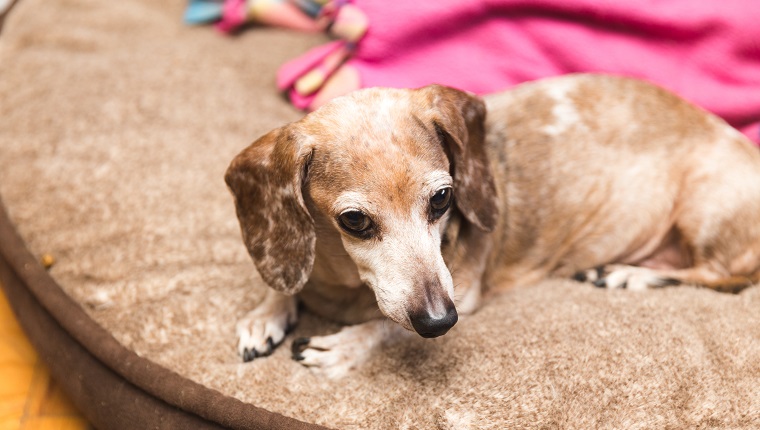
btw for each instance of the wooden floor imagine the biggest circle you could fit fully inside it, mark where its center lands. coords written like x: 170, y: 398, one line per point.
x: 29, y: 398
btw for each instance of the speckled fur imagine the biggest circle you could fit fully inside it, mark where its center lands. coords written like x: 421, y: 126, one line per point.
x: 563, y: 176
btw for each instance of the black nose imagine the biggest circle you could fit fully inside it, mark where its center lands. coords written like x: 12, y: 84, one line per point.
x: 427, y: 326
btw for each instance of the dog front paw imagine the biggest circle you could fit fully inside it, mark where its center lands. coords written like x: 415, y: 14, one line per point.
x: 263, y: 329
x: 622, y: 276
x: 337, y: 354
x: 334, y: 361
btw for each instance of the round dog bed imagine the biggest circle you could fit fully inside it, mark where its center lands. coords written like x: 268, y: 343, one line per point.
x: 116, y: 126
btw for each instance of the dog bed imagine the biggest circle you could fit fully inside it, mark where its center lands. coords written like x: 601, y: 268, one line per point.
x: 116, y: 126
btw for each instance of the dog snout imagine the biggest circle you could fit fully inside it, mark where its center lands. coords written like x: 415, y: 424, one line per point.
x: 430, y: 325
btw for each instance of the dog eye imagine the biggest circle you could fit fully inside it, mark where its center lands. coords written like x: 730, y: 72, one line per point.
x: 440, y: 202
x: 355, y: 222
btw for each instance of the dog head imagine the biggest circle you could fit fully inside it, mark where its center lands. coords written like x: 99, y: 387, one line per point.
x: 386, y: 167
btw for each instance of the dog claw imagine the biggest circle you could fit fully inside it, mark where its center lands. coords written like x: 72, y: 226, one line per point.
x: 299, y: 346
x: 580, y: 277
x: 595, y: 276
x: 249, y: 355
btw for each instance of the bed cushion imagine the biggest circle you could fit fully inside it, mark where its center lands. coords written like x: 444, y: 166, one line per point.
x: 116, y: 126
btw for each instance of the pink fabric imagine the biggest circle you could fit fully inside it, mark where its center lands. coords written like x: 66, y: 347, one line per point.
x: 706, y: 51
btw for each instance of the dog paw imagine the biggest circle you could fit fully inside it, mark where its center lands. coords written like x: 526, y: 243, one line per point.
x: 614, y: 276
x: 337, y: 354
x: 263, y: 329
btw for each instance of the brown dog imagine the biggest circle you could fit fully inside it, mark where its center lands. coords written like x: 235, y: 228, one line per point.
x: 372, y: 200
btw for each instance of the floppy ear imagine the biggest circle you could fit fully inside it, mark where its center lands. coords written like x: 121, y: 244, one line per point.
x: 460, y: 119
x: 266, y: 180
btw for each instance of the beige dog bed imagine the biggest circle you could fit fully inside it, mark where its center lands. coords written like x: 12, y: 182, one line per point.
x: 116, y: 126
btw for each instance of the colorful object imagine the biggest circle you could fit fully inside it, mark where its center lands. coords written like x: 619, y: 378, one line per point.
x: 707, y: 52
x: 316, y: 77
x: 319, y: 75
x: 230, y: 15
x: 203, y: 11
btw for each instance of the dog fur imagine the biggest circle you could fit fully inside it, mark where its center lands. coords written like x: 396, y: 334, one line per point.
x: 610, y: 180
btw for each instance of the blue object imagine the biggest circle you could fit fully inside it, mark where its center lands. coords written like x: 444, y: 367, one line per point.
x: 309, y: 7
x: 203, y: 11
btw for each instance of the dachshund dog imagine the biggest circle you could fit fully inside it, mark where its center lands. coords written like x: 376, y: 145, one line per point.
x: 413, y: 205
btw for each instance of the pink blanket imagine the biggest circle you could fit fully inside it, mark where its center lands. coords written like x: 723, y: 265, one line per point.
x: 706, y: 51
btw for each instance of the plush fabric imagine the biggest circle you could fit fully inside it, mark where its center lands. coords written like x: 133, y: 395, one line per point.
x: 704, y: 51
x: 116, y: 126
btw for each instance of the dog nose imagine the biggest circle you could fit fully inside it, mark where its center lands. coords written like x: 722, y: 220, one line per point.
x: 429, y: 326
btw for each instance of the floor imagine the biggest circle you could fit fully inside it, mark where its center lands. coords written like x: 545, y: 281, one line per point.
x: 29, y: 398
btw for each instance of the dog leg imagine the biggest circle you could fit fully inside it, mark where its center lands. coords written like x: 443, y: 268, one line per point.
x: 622, y: 276
x: 641, y: 278
x: 261, y: 330
x: 336, y: 354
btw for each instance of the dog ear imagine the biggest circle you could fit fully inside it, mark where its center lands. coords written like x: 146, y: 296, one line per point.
x: 266, y: 180
x: 460, y: 119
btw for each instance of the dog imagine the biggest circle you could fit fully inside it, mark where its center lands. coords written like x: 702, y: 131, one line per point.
x: 413, y: 205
